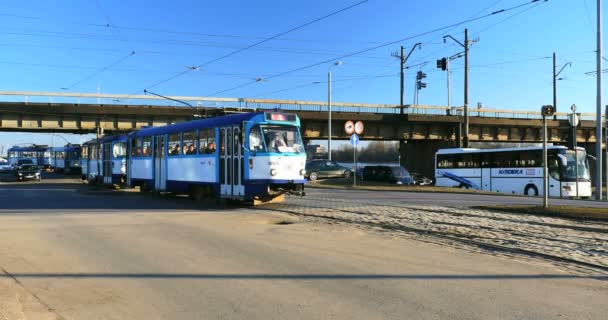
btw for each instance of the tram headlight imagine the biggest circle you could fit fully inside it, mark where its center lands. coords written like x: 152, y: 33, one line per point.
x: 273, y: 172
x: 302, y: 172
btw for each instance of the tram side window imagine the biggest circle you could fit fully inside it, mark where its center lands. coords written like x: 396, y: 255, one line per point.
x: 136, y: 148
x: 93, y: 150
x: 206, y: 141
x: 119, y: 150
x: 146, y: 146
x: 85, y: 152
x: 174, y: 144
x: 189, y: 139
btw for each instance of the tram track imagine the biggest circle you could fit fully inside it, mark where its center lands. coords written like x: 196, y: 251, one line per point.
x: 544, y: 224
x: 472, y: 240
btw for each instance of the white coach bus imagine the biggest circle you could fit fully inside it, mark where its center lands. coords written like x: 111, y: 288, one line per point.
x: 514, y: 170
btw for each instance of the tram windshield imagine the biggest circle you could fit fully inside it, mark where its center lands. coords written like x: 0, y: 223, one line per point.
x: 281, y: 139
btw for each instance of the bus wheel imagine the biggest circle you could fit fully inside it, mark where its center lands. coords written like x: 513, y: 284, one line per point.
x: 531, y: 190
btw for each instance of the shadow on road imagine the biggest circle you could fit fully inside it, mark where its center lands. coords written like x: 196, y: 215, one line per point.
x: 30, y: 197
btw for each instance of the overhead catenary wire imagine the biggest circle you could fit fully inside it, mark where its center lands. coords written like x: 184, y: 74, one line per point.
x: 180, y: 32
x: 528, y: 3
x: 101, y: 70
x: 259, y: 42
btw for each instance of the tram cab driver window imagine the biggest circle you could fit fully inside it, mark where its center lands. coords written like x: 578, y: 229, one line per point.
x: 255, y: 140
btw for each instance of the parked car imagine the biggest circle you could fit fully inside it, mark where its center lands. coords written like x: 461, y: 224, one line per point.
x: 421, y: 180
x: 321, y: 169
x: 28, y: 171
x: 392, y: 174
x: 5, y: 167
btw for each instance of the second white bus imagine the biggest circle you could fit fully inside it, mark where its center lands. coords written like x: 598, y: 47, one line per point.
x: 515, y: 170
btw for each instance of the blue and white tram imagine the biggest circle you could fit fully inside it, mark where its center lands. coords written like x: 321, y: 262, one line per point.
x: 90, y: 162
x: 114, y: 157
x: 66, y: 159
x: 260, y: 157
x: 35, y: 153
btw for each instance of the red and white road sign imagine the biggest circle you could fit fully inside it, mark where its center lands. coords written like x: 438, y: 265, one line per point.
x: 349, y: 127
x: 359, y: 127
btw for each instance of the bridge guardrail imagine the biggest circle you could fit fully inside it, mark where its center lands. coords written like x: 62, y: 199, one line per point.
x: 261, y: 104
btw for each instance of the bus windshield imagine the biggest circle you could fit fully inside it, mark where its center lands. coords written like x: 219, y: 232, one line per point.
x: 569, y: 163
x: 282, y: 139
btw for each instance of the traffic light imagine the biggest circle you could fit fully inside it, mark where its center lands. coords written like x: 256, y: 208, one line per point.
x: 547, y: 110
x: 421, y: 85
x: 442, y: 64
x: 420, y: 75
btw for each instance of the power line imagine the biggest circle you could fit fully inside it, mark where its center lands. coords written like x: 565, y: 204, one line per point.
x: 259, y: 43
x: 178, y: 32
x: 387, y: 44
x: 101, y: 70
x: 69, y: 35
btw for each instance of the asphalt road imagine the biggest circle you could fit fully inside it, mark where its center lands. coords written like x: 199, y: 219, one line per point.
x: 69, y: 251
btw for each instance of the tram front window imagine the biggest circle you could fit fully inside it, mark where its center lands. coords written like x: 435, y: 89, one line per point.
x: 282, y: 139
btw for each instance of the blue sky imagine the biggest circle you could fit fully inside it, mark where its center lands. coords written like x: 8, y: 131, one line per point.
x: 49, y: 45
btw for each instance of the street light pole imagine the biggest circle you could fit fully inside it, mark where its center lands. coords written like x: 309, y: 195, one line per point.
x: 545, y: 165
x: 466, y: 88
x: 329, y: 114
x: 337, y: 63
x: 598, y: 118
x: 574, y: 123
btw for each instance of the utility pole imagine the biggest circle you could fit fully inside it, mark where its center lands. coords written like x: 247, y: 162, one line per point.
x: 554, y: 82
x: 466, y: 88
x: 465, y: 45
x: 555, y: 78
x: 403, y: 60
x: 447, y: 69
x: 598, y: 113
x: 402, y: 89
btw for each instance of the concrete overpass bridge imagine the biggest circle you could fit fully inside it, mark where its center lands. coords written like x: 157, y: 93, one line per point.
x: 420, y: 129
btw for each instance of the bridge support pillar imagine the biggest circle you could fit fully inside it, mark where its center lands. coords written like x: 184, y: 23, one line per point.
x: 419, y: 155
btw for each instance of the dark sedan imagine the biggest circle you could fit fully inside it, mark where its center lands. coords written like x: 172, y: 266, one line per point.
x: 322, y: 169
x: 28, y: 171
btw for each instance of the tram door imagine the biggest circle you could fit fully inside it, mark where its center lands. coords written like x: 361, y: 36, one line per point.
x: 129, y: 162
x: 231, y: 163
x: 107, y: 163
x: 160, y: 164
x: 237, y: 163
